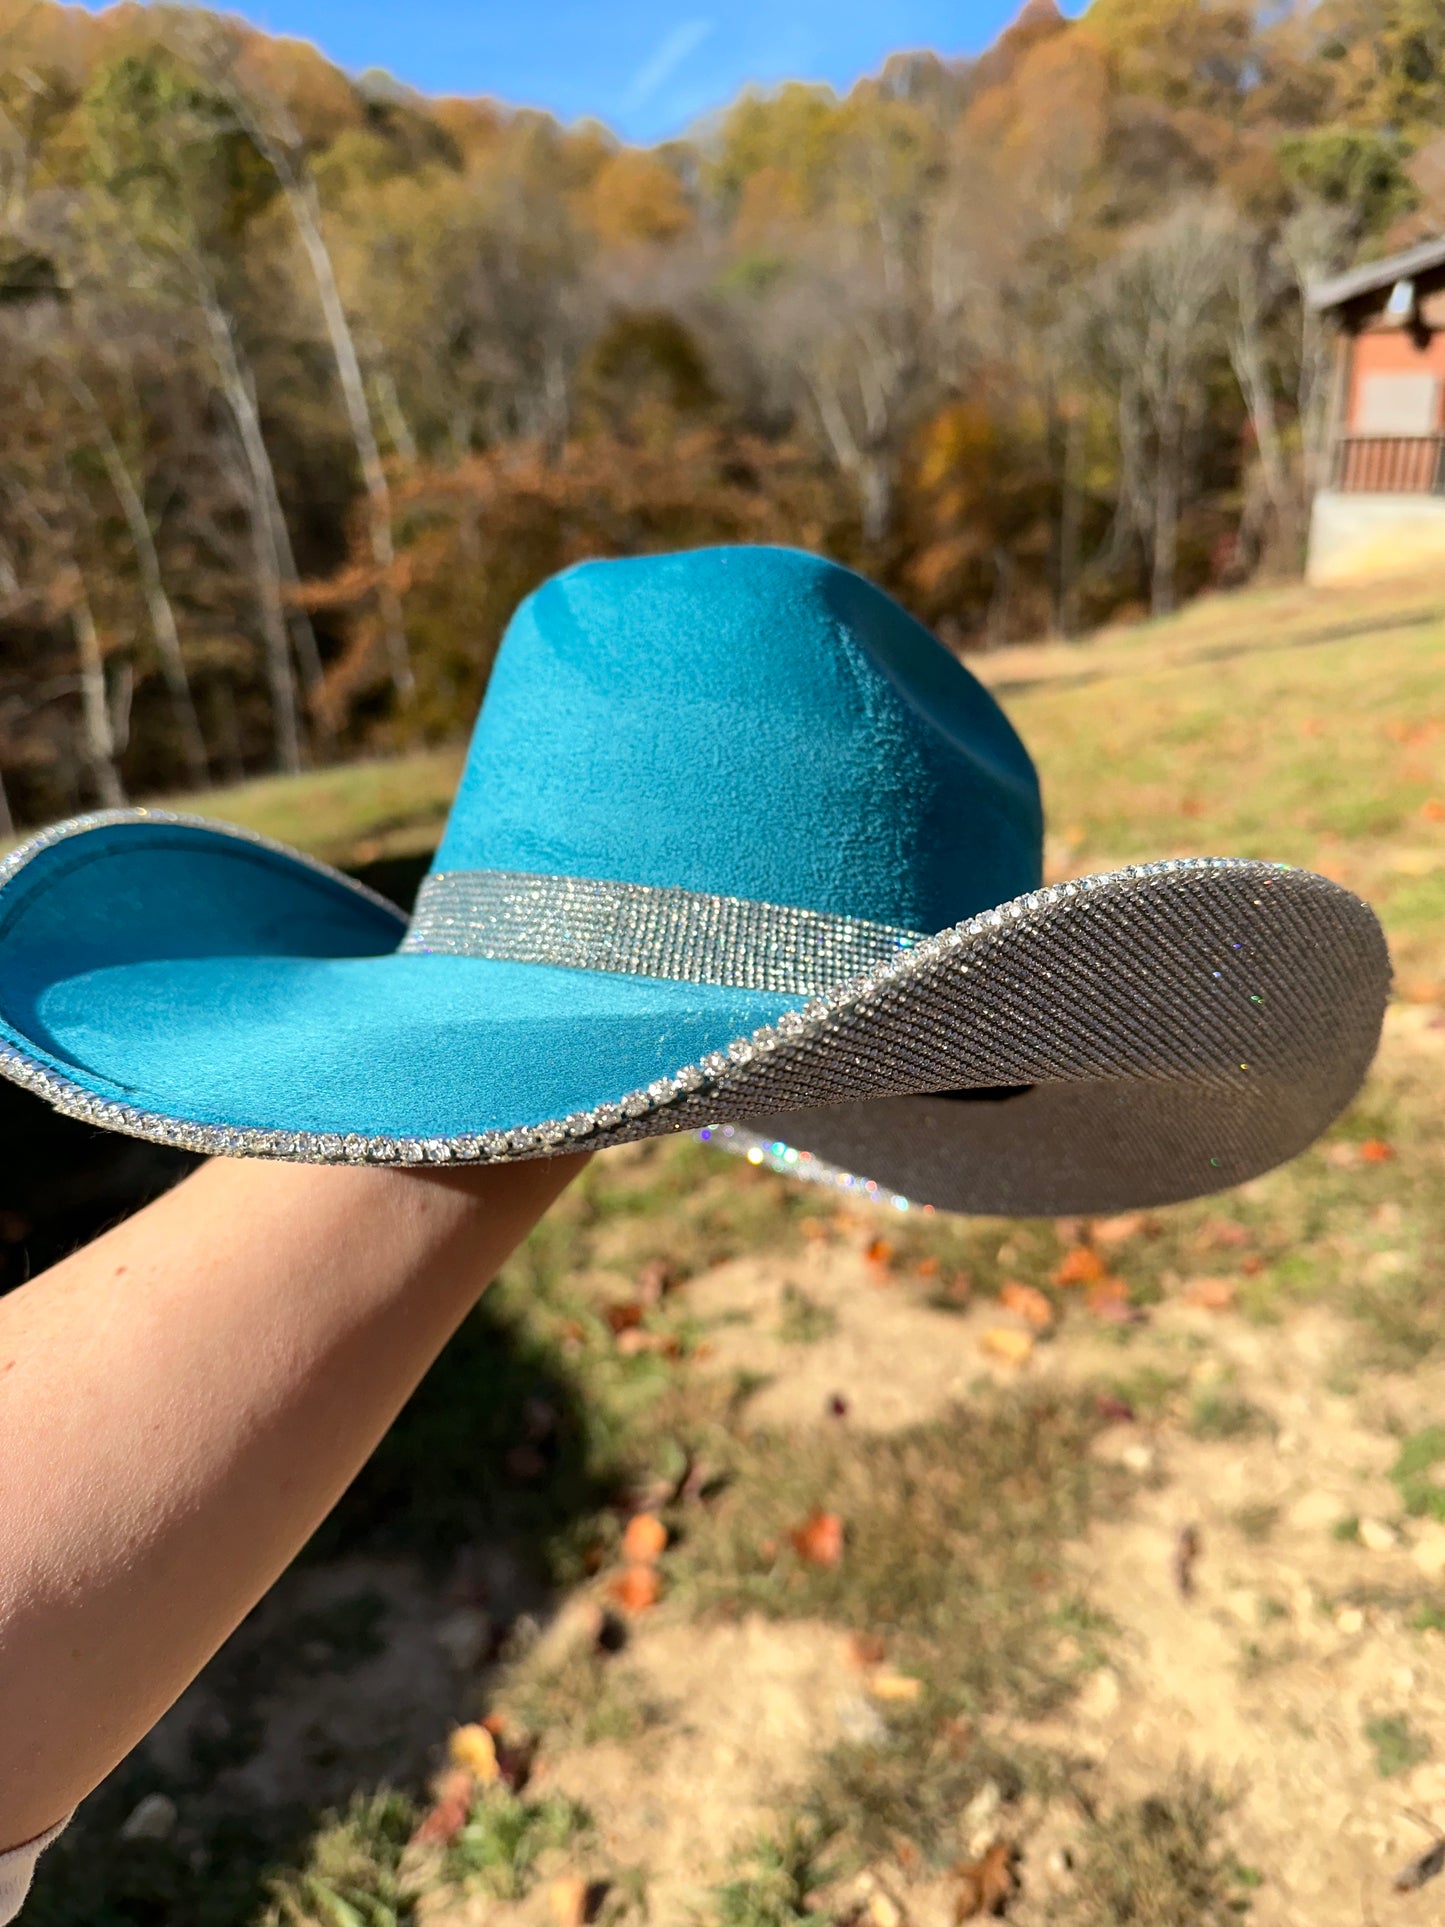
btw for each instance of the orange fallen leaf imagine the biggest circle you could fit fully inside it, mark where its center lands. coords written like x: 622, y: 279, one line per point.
x: 1007, y: 1345
x: 1030, y: 1304
x: 879, y: 1252
x: 1210, y: 1294
x: 985, y: 1886
x: 567, y: 1898
x: 447, y: 1815
x: 645, y: 1539
x: 474, y: 1748
x: 1104, y: 1292
x: 1117, y: 1231
x: 926, y: 1268
x: 624, y: 1317
x: 634, y: 1342
x: 1080, y: 1265
x: 1375, y: 1150
x: 1433, y: 810
x: 902, y: 1688
x: 636, y: 1588
x: 866, y: 1650
x: 818, y: 1541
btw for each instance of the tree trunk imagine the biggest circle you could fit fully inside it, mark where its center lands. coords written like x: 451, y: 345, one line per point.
x: 97, y: 737
x: 305, y: 206
x: 267, y: 527
x: 162, y: 615
x: 1165, y: 532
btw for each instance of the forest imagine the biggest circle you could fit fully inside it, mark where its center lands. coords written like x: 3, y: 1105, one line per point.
x: 305, y: 379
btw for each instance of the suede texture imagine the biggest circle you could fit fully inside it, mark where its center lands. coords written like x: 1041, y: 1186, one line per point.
x: 752, y: 722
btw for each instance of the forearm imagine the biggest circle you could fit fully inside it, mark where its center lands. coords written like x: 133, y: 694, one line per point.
x: 181, y: 1403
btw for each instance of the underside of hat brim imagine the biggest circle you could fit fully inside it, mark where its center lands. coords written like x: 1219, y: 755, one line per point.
x: 1180, y: 1027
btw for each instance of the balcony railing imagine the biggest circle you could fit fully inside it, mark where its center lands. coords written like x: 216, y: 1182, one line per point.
x: 1389, y: 464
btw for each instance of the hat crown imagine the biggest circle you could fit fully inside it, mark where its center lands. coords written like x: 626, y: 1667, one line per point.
x: 751, y: 722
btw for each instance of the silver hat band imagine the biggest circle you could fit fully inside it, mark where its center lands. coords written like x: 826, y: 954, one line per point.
x: 637, y: 930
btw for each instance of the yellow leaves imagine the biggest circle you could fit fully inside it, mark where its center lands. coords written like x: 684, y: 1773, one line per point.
x: 474, y: 1748
x: 567, y: 1900
x: 899, y: 1688
x: 1008, y: 1346
x: 636, y: 198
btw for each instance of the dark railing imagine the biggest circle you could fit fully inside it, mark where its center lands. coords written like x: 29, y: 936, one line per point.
x: 1389, y: 464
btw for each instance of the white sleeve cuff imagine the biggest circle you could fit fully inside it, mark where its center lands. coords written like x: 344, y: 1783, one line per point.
x: 17, y: 1868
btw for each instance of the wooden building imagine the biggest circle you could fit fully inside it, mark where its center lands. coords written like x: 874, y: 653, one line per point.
x: 1382, y: 508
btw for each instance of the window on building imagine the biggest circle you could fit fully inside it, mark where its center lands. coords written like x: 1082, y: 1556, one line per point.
x: 1398, y: 405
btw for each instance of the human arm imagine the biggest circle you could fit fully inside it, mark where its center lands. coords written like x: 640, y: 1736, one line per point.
x: 182, y: 1402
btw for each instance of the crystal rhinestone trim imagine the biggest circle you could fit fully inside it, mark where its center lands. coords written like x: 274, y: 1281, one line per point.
x: 1162, y: 984
x: 638, y: 930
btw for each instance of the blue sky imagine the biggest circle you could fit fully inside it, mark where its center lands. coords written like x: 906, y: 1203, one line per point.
x: 646, y: 67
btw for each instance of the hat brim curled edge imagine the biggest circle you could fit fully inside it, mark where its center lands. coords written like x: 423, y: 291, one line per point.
x: 1179, y: 1026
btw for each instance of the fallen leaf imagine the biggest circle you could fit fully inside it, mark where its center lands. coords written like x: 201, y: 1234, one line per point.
x: 866, y: 1650
x: 837, y: 1406
x: 1423, y: 1868
x: 567, y: 1899
x: 516, y: 1752
x: 879, y: 1252
x: 1010, y: 1347
x: 624, y: 1317
x: 926, y: 1268
x: 1117, y: 1231
x: 1080, y: 1265
x: 645, y: 1539
x: 1210, y: 1294
x: 1113, y: 1411
x: 634, y: 1342
x: 474, y: 1748
x: 901, y: 1688
x: 447, y: 1815
x: 1113, y: 1306
x: 656, y: 1278
x: 818, y: 1541
x: 1375, y: 1150
x: 636, y: 1588
x: 1029, y: 1302
x: 1215, y: 1233
x: 1187, y: 1548
x: 985, y: 1886
x: 1433, y: 811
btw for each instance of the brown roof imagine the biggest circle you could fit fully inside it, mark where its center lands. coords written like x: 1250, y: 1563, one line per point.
x: 1374, y: 276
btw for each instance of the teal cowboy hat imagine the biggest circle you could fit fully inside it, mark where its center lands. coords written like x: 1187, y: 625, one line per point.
x: 738, y: 846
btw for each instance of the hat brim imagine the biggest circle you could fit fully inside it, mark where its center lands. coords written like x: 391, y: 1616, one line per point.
x: 1178, y: 1028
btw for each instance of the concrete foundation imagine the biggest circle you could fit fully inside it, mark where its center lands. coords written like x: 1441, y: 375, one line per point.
x: 1354, y: 535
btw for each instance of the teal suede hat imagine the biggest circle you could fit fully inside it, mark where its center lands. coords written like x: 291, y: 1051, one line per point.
x: 738, y: 847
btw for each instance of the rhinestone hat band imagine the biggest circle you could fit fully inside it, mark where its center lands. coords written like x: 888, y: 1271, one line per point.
x: 637, y: 930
